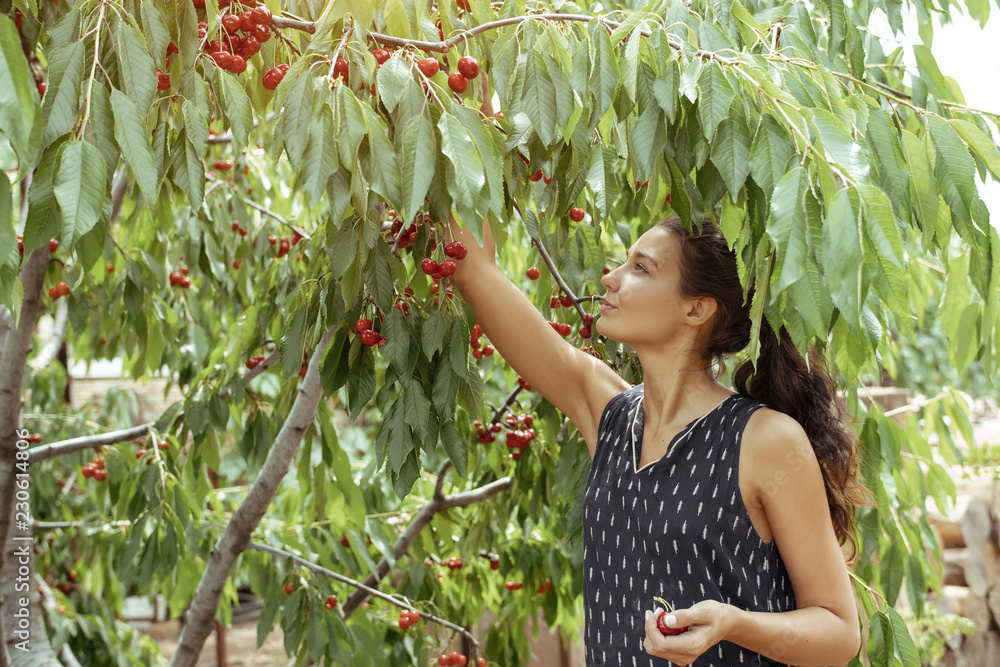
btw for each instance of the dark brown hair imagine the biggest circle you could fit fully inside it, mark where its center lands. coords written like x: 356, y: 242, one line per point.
x: 781, y: 379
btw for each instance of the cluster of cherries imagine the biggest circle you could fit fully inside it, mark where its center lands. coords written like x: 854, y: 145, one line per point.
x: 180, y: 279
x: 60, y: 289
x: 331, y: 602
x: 458, y: 659
x: 407, y: 618
x: 369, y: 336
x: 485, y: 434
x: 478, y: 349
x: 95, y: 469
x: 162, y: 444
x: 454, y: 563
x: 564, y: 329
x: 284, y: 244
x: 520, y: 434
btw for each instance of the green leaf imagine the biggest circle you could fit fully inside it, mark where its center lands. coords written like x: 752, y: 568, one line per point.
x: 955, y: 171
x: 715, y: 95
x: 392, y: 79
x: 466, y: 177
x: 601, y: 177
x: 888, y: 154
x: 843, y: 259
x: 130, y: 133
x: 839, y: 145
x: 980, y: 144
x: 772, y: 146
x: 923, y: 187
x: 417, y: 163
x: 455, y: 447
x: 20, y: 121
x: 320, y: 159
x: 43, y: 220
x: 539, y: 98
x: 137, y: 69
x: 604, y: 74
x: 9, y: 260
x: 292, y: 343
x: 386, y: 176
x: 433, y: 332
x: 295, y: 119
x: 786, y: 227
x: 155, y: 29
x: 101, y: 130
x: 731, y: 155
x: 80, y: 188
x: 62, y: 95
x: 380, y: 274
x: 237, y: 109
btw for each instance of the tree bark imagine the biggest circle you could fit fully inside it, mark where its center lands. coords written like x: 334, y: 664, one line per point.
x: 12, y: 367
x: 246, y: 518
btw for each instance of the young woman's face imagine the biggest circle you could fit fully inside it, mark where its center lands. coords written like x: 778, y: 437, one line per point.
x: 643, y: 305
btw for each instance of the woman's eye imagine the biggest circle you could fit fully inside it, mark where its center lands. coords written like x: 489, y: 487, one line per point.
x: 640, y: 267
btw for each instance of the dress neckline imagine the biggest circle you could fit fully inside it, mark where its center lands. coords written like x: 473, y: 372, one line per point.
x: 638, y: 421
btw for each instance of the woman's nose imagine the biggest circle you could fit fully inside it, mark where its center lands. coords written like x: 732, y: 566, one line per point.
x: 610, y: 280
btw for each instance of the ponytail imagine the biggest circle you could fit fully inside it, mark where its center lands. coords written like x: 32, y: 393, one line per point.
x: 783, y: 382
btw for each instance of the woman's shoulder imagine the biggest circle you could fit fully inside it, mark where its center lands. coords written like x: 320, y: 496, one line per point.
x: 621, y: 403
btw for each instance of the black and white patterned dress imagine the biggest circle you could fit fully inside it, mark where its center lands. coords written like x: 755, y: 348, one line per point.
x: 676, y: 529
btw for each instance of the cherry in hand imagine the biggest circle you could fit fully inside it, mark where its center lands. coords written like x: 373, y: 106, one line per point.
x: 661, y: 620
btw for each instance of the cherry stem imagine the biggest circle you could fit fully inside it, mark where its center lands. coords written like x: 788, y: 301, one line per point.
x: 506, y: 404
x: 555, y: 274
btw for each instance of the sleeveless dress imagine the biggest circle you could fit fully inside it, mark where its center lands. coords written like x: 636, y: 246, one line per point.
x: 676, y: 529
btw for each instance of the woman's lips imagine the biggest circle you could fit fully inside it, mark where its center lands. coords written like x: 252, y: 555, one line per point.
x: 607, y: 308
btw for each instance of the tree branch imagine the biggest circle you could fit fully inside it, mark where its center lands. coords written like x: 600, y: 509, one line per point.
x: 42, y: 452
x: 293, y: 24
x: 423, y: 518
x: 249, y: 514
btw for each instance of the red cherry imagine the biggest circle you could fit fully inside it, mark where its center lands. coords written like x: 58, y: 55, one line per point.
x: 272, y: 78
x: 261, y: 32
x: 223, y: 165
x: 231, y: 23
x: 381, y: 55
x: 457, y: 83
x: 54, y: 293
x: 63, y: 288
x: 537, y: 176
x: 429, y: 266
x: 533, y: 273
x: 429, y: 66
x: 447, y: 268
x: 238, y: 65
x: 455, y: 250
x: 566, y: 301
x: 88, y: 470
x: 469, y: 67
x: 576, y: 214
x: 185, y: 283
x: 463, y: 5
x: 341, y: 68
x: 261, y: 15
x: 100, y: 475
x: 370, y: 338
x: 289, y: 588
x: 514, y: 585
x: 246, y: 22
x: 364, y: 324
x: 250, y: 46
x: 184, y: 269
x: 585, y: 332
x: 139, y: 454
x: 283, y: 247
x: 224, y: 59
x: 162, y: 80
x: 163, y: 444
x: 111, y: 268
x: 236, y: 264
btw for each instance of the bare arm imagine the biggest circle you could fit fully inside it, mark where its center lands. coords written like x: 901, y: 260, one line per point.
x: 789, y: 485
x: 575, y: 382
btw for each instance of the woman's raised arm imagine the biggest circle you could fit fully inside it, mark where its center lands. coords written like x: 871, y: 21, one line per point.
x: 575, y: 382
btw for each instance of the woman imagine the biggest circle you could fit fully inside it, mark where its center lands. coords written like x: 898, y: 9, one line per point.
x: 732, y: 506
